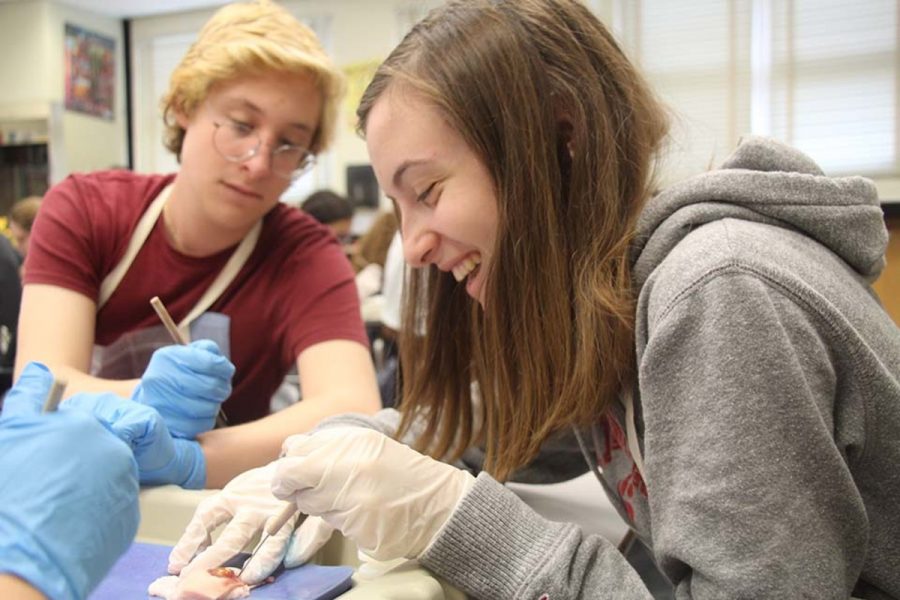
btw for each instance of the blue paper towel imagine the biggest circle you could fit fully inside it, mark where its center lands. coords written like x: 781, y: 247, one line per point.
x: 144, y: 563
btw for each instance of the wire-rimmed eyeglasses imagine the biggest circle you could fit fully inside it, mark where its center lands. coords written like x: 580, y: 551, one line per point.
x: 237, y: 142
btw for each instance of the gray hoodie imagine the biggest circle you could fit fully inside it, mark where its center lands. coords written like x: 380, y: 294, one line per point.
x: 767, y: 407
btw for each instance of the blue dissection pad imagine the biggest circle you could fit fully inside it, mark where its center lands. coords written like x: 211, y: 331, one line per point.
x: 144, y: 563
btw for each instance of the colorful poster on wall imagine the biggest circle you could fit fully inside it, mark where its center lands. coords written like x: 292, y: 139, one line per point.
x: 90, y: 72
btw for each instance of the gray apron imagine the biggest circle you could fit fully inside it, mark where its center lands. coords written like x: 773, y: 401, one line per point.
x: 128, y: 356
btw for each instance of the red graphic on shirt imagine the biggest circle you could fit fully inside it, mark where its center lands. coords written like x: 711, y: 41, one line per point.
x: 627, y: 488
x: 614, y: 439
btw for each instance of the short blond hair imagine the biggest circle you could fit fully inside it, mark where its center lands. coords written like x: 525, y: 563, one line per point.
x: 24, y: 211
x: 250, y: 38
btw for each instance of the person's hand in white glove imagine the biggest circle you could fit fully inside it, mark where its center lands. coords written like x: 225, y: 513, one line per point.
x: 246, y: 504
x: 389, y: 499
x: 306, y: 540
x: 314, y: 533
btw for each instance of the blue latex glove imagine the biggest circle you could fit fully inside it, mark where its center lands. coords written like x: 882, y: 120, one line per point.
x: 161, y: 458
x: 68, y: 501
x: 27, y: 396
x: 186, y: 384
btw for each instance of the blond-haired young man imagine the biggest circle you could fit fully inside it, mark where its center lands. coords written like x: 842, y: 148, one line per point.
x: 251, y: 104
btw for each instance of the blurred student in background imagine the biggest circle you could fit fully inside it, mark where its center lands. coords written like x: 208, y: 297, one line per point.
x: 21, y: 219
x: 12, y: 269
x: 372, y: 246
x: 331, y: 209
x: 10, y: 296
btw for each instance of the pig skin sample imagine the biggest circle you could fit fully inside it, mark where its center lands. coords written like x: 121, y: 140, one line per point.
x: 212, y: 584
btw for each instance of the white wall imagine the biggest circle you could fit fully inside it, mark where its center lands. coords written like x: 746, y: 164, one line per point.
x: 90, y: 143
x: 26, y: 88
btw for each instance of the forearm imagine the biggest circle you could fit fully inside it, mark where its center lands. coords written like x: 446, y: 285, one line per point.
x: 56, y: 327
x: 233, y: 450
x: 79, y: 381
x: 495, y: 546
x: 18, y: 589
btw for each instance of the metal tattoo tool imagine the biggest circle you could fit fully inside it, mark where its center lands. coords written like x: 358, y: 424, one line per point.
x: 273, y: 527
x: 170, y: 326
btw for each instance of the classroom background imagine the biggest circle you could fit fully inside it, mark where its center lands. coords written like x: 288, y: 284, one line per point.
x: 81, y: 82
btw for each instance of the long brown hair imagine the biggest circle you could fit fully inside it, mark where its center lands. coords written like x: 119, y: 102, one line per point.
x: 568, y: 129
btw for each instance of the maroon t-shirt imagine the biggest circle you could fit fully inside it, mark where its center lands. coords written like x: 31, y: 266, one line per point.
x: 296, y: 289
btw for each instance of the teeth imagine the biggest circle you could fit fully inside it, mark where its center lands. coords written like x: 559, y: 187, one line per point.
x: 461, y: 270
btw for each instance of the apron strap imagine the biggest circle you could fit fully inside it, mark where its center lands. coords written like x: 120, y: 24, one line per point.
x: 140, y: 235
x: 145, y: 225
x: 235, y: 263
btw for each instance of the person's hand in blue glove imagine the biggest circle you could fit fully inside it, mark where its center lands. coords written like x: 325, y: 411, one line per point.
x: 161, y: 458
x: 186, y: 385
x: 27, y: 396
x: 68, y: 499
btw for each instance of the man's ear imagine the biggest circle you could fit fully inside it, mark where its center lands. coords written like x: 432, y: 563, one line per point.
x: 180, y: 117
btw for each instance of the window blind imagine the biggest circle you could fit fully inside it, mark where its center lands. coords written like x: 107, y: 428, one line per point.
x: 834, y: 70
x: 818, y: 74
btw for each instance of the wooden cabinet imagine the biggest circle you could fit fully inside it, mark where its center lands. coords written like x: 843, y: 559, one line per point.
x: 888, y: 285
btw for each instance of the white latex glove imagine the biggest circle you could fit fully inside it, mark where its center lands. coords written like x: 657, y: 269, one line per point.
x: 370, y: 569
x: 315, y: 533
x: 306, y: 541
x: 246, y: 504
x: 389, y: 499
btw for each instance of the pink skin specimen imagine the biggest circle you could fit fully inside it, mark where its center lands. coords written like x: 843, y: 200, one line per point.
x: 213, y: 584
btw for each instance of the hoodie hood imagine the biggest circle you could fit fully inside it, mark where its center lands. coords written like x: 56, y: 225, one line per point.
x: 768, y: 182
